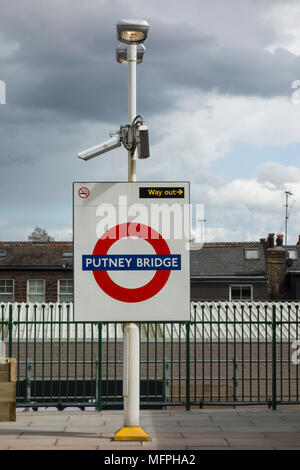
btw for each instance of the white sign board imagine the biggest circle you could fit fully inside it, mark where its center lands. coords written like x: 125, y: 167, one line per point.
x: 131, y: 251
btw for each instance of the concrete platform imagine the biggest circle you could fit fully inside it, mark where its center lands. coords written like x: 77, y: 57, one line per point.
x: 224, y: 429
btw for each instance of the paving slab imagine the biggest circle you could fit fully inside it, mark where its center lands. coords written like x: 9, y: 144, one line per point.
x: 287, y: 448
x: 165, y: 447
x: 71, y: 448
x: 184, y: 427
x: 223, y: 435
x: 45, y: 430
x: 205, y: 442
x: 260, y: 429
x: 80, y: 442
x: 119, y: 445
x: 258, y: 443
x: 229, y: 448
x: 282, y: 435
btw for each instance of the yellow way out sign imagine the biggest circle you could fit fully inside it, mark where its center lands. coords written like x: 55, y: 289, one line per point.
x: 161, y: 192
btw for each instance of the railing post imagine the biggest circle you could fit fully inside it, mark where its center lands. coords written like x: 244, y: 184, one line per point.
x: 166, y: 380
x: 187, y: 369
x: 235, y: 378
x: 10, y: 330
x: 28, y: 383
x: 99, y: 368
x: 274, y: 375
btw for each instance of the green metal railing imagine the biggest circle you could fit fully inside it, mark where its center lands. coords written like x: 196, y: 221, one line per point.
x: 215, y: 359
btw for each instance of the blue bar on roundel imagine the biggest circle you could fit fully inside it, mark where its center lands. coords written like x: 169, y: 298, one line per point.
x: 131, y: 262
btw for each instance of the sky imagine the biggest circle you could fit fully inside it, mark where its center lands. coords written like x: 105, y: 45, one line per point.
x: 217, y: 88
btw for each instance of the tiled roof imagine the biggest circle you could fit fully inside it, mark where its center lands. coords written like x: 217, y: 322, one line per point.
x: 35, y: 254
x: 12, y: 243
x: 253, y: 244
x: 227, y: 259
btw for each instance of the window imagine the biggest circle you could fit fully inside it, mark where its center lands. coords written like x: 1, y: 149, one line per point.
x: 6, y: 290
x: 2, y: 254
x: 240, y: 292
x: 36, y: 291
x: 65, y: 290
x: 292, y: 254
x: 251, y: 253
x: 67, y: 254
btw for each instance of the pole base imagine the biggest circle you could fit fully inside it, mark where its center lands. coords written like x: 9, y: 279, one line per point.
x: 131, y: 433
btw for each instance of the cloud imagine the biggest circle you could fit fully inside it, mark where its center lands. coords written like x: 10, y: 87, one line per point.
x: 277, y: 174
x: 284, y: 18
x: 65, y: 59
x: 41, y: 161
x: 207, y: 82
x: 204, y: 128
x: 250, y: 208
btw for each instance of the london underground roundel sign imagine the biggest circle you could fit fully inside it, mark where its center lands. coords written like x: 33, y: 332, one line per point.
x: 138, y: 294
x: 129, y: 271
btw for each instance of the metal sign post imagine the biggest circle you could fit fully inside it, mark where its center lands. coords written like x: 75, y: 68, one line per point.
x: 131, y: 263
x: 131, y: 342
x: 95, y: 259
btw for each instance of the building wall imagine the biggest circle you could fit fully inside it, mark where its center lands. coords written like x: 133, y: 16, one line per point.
x: 219, y: 291
x: 293, y: 287
x: 51, y: 282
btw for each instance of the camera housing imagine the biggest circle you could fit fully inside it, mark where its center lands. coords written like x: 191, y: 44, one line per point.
x: 143, y: 142
x: 97, y: 150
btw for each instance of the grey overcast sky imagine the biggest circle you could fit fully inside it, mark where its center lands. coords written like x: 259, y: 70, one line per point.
x: 215, y: 89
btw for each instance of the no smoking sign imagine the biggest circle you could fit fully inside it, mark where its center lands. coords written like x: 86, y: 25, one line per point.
x: 132, y: 270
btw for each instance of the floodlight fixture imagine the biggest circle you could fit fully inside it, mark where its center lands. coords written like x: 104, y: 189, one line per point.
x: 121, y: 54
x: 132, y: 31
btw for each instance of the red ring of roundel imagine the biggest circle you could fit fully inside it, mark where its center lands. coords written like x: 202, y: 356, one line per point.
x: 125, y: 294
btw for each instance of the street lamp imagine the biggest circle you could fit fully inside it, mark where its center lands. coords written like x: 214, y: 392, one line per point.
x: 133, y: 136
x: 132, y: 33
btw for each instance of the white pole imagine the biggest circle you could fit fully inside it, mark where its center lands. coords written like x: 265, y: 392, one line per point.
x: 131, y: 375
x: 131, y: 58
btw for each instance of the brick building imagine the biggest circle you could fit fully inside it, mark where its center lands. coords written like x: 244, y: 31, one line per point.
x: 36, y: 272
x: 229, y: 271
x: 249, y: 271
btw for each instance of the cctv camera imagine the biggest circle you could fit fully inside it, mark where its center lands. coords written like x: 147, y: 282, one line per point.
x: 143, y: 142
x: 106, y: 146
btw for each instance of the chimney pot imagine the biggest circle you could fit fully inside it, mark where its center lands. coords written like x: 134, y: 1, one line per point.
x: 298, y: 242
x: 279, y: 239
x: 271, y: 240
x: 262, y: 241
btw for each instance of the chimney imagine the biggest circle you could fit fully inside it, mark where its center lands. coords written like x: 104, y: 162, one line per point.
x: 298, y: 242
x: 279, y: 239
x: 275, y: 262
x: 262, y: 241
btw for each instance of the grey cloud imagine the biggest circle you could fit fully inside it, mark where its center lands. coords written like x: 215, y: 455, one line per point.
x: 66, y: 58
x: 277, y: 174
x: 65, y: 91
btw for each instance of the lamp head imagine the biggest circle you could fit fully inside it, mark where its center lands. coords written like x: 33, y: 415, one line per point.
x: 132, y: 31
x: 121, y: 54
